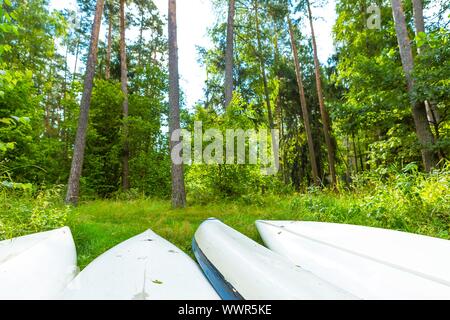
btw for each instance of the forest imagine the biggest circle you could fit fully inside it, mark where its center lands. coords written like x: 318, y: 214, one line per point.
x: 87, y: 114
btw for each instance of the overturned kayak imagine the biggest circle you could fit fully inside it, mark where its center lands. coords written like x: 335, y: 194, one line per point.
x: 146, y: 267
x: 37, y: 266
x: 240, y: 268
x: 368, y: 262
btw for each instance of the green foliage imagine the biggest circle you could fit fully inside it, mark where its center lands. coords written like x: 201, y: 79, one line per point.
x: 406, y: 199
x: 370, y: 105
x: 102, y: 163
x: 46, y: 213
x: 432, y: 81
x: 149, y: 161
x: 6, y: 148
x: 206, y: 182
x: 23, y: 213
x: 36, y: 82
x: 19, y: 134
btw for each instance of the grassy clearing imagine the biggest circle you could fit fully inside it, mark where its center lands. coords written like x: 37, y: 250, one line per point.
x: 408, y: 201
x: 97, y: 226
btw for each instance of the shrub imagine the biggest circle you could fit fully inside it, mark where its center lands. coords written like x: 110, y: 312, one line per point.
x: 22, y: 213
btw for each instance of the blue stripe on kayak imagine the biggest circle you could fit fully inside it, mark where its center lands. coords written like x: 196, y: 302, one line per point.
x: 223, y: 288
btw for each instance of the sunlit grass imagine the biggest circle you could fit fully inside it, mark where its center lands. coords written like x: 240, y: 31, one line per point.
x: 98, y: 226
x: 411, y: 202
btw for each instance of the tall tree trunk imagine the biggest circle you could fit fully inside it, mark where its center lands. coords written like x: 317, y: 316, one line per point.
x: 419, y: 112
x: 266, y: 86
x: 303, y: 104
x: 229, y: 54
x: 278, y: 107
x: 360, y: 153
x: 141, y: 38
x: 76, y: 62
x: 48, y: 103
x: 323, y: 110
x: 124, y: 86
x: 262, y: 66
x: 418, y: 16
x: 419, y: 22
x: 66, y: 71
x: 178, y: 188
x: 77, y: 53
x: 348, y: 165
x: 355, y: 152
x: 109, y: 47
x: 73, y: 189
x: 64, y: 130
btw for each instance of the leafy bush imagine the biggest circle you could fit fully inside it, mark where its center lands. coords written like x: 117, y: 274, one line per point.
x: 401, y: 199
x: 246, y: 183
x: 22, y: 213
x: 410, y: 200
x: 129, y: 195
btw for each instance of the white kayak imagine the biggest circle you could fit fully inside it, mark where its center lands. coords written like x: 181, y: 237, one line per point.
x: 146, y: 267
x: 37, y: 266
x: 370, y: 263
x: 240, y: 268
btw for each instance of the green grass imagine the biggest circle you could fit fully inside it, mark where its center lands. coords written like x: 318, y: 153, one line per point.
x: 98, y: 226
x: 411, y: 202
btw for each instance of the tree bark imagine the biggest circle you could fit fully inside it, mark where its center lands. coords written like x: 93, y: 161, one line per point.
x: 73, y: 189
x: 419, y: 22
x: 77, y: 53
x: 418, y: 16
x: 64, y: 131
x: 266, y: 86
x: 278, y: 118
x: 419, y: 112
x: 229, y: 54
x: 323, y: 110
x: 262, y: 66
x: 141, y: 37
x: 76, y: 62
x: 124, y: 86
x: 304, y: 107
x: 178, y: 188
x: 109, y: 47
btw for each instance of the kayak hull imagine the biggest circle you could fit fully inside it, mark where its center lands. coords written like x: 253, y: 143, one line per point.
x: 146, y: 267
x: 37, y: 267
x: 370, y: 263
x: 240, y: 268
